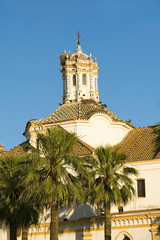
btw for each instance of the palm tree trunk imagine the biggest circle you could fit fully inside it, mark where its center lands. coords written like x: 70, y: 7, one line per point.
x: 25, y: 233
x: 107, y: 222
x: 54, y: 222
x: 13, y: 231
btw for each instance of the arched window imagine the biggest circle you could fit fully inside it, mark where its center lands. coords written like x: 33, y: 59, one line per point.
x: 123, y: 236
x: 84, y: 80
x: 74, y: 80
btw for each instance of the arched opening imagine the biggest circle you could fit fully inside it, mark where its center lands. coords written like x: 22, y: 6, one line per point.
x: 84, y: 79
x: 124, y: 236
x: 74, y: 80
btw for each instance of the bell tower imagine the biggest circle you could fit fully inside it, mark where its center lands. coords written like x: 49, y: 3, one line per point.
x: 80, y: 75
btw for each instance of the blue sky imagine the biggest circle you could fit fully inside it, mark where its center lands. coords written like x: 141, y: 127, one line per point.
x: 124, y: 35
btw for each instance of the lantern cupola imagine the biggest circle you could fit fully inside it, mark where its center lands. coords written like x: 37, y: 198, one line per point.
x: 80, y: 76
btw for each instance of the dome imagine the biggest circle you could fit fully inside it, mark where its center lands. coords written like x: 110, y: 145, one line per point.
x: 73, y: 56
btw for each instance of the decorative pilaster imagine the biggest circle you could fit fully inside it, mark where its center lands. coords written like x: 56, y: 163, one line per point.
x: 91, y: 83
x: 96, y: 82
x: 92, y: 87
x: 67, y: 88
x: 64, y: 87
x: 78, y: 81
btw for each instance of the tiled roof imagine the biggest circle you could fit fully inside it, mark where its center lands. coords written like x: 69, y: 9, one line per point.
x: 18, y: 150
x: 140, y: 144
x: 1, y: 150
x: 82, y: 110
x: 80, y: 149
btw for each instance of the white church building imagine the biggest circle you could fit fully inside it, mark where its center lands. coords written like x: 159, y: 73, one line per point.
x: 82, y: 112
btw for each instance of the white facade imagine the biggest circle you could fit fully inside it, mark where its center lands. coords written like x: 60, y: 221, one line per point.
x: 98, y: 130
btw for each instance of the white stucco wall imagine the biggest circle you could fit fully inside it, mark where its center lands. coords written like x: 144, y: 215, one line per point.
x: 98, y: 130
x: 150, y: 171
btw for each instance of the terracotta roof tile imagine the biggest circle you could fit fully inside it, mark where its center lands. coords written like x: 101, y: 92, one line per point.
x: 18, y: 150
x: 140, y: 144
x: 80, y: 149
x: 82, y: 110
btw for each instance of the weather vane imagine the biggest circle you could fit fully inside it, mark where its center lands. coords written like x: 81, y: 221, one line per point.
x: 78, y: 41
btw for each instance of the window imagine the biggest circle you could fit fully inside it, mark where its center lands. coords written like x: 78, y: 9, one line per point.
x: 84, y: 82
x: 120, y: 209
x: 74, y: 80
x: 141, y: 188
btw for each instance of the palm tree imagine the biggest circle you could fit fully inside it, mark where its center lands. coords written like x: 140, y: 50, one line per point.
x: 112, y: 183
x: 15, y: 210
x: 54, y: 176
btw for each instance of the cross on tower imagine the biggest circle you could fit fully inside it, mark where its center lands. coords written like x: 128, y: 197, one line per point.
x: 78, y: 41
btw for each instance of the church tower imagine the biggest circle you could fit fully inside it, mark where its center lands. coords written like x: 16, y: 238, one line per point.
x: 81, y: 111
x: 80, y: 76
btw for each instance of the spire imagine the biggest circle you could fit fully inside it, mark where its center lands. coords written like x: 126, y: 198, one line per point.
x: 79, y: 50
x: 78, y: 40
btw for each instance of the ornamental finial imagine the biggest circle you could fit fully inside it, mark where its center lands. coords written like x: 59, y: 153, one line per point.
x: 78, y: 40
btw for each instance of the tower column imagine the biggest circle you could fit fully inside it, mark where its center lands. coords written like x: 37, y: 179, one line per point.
x: 92, y: 87
x: 78, y: 92
x: 78, y: 81
x: 91, y: 82
x: 64, y: 87
x: 67, y: 85
x: 96, y: 87
x: 67, y: 97
x: 96, y: 82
